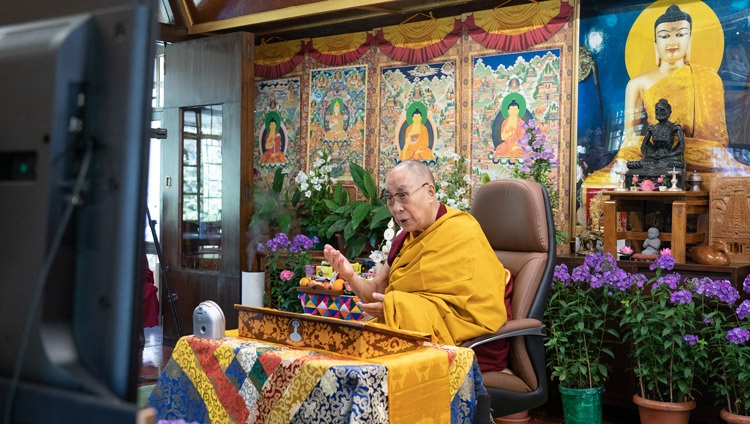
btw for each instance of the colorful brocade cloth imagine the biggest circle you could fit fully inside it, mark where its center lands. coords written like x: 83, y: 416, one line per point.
x: 235, y: 380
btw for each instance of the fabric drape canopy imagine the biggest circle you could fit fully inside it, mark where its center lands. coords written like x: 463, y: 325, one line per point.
x: 506, y: 29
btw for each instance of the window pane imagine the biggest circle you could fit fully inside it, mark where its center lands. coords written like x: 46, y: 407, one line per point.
x: 201, y: 187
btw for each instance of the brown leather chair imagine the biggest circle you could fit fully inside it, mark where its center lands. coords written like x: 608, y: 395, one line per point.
x: 517, y: 218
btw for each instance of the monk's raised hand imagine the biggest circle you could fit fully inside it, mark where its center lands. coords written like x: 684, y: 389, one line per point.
x: 338, y: 262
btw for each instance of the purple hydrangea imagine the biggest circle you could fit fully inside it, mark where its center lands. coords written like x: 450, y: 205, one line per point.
x: 738, y: 335
x: 621, y: 280
x: 719, y: 289
x: 691, y: 338
x: 746, y: 284
x: 671, y: 280
x: 561, y: 275
x: 681, y: 297
x: 665, y: 262
x: 743, y: 311
x: 638, y: 280
x: 280, y: 241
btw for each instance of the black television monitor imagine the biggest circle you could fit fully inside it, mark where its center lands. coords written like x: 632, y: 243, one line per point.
x: 74, y: 124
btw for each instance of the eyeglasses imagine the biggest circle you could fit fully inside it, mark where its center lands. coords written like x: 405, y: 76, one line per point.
x: 401, y: 197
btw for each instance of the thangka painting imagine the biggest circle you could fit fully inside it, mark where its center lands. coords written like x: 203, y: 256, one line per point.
x: 277, y: 123
x: 417, y: 114
x: 512, y: 93
x: 337, y: 116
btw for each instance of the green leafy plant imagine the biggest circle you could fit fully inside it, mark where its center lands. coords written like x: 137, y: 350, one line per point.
x: 362, y: 222
x: 580, y: 317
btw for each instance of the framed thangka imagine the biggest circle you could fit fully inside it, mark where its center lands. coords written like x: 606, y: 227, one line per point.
x: 417, y: 114
x: 633, y: 53
x: 337, y: 121
x: 512, y: 95
x: 277, y: 122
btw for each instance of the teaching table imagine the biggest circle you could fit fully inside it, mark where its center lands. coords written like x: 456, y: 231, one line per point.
x: 239, y: 380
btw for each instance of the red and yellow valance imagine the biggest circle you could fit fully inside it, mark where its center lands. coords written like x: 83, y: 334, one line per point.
x: 506, y: 29
x: 516, y: 28
x: 273, y: 60
x: 419, y: 42
x: 337, y: 50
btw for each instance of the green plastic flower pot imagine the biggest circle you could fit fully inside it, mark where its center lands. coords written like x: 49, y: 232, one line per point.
x: 582, y: 406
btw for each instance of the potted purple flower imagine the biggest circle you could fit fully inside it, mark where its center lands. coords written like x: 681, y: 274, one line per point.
x: 662, y: 321
x: 727, y: 332
x: 286, y: 261
x: 580, y: 318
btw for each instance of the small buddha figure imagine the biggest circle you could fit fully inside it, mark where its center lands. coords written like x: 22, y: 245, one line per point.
x: 652, y: 243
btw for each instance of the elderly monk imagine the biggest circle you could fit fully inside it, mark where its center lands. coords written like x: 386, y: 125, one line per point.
x: 442, y: 277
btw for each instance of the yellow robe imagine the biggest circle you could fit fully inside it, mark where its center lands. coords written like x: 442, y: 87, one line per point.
x: 447, y: 282
x: 696, y: 95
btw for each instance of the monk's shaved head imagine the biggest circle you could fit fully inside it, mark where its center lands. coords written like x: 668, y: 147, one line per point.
x: 416, y: 169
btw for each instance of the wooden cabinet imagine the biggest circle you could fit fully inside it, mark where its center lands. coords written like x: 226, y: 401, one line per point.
x: 683, y: 203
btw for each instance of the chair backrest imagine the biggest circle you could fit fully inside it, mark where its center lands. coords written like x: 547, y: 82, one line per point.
x: 516, y: 217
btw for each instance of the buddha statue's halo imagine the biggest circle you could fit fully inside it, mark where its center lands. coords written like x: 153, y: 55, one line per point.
x: 707, y: 37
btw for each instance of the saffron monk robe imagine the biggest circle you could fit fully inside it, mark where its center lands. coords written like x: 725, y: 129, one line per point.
x: 442, y: 277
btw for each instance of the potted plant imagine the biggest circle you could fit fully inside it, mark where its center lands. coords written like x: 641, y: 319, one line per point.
x: 580, y: 317
x: 287, y: 261
x: 662, y: 322
x: 727, y: 332
x: 362, y: 222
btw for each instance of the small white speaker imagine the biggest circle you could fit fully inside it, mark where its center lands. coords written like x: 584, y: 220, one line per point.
x: 209, y: 321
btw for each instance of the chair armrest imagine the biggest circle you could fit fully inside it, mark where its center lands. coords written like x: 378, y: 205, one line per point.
x: 512, y: 328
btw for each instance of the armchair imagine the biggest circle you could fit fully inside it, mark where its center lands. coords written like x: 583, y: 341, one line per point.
x: 517, y: 218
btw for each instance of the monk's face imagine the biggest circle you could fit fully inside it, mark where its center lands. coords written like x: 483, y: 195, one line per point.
x: 672, y: 41
x: 415, y: 213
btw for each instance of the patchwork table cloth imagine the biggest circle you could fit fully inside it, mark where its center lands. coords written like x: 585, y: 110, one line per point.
x: 239, y: 380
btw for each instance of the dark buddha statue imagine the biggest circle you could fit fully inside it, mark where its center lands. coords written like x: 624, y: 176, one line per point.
x: 663, y: 148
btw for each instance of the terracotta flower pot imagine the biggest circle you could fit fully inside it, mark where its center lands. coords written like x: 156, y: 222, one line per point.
x: 652, y: 411
x: 517, y: 418
x: 731, y: 418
